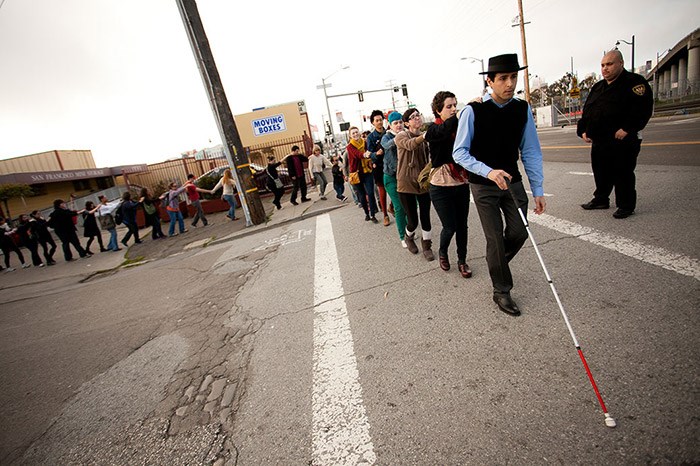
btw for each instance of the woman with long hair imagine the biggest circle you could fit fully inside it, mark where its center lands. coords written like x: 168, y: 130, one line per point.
x: 359, y: 162
x: 229, y: 186
x: 274, y: 183
x: 150, y: 209
x: 449, y: 185
x: 91, y: 231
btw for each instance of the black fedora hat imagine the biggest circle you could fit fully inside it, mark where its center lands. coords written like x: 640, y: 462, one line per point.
x: 506, y: 63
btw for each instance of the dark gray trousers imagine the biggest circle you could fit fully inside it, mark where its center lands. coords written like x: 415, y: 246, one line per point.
x: 495, y: 206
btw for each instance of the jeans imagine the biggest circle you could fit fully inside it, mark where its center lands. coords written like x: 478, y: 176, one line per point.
x: 339, y: 189
x: 175, y: 216
x: 501, y: 245
x: 321, y: 182
x: 112, y: 245
x: 399, y: 213
x: 452, y: 206
x: 365, y: 194
x: 199, y: 213
x: 231, y: 205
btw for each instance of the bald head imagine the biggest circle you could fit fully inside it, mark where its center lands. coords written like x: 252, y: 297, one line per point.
x: 612, y: 65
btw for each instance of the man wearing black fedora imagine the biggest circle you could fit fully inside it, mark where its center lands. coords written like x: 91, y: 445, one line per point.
x: 491, y: 136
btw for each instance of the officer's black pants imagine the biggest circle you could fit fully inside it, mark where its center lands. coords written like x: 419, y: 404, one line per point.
x: 613, y: 165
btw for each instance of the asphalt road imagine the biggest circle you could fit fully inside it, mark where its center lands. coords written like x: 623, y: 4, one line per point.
x: 216, y: 354
x: 670, y: 140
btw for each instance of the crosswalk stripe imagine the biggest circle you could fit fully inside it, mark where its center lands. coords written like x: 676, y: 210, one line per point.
x: 340, y: 428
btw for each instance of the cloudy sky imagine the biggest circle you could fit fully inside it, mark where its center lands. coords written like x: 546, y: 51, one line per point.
x: 118, y: 77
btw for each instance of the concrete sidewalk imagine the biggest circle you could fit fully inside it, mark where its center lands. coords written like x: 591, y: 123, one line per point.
x: 220, y: 229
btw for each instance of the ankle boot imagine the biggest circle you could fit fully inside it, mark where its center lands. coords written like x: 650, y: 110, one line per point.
x: 411, y: 244
x: 426, y: 244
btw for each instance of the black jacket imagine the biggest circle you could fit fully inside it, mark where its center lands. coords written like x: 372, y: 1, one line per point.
x: 626, y: 103
x: 61, y: 220
x: 292, y: 170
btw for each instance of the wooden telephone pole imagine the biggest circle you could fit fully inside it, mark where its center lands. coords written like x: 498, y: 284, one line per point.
x: 233, y: 148
x: 522, y: 38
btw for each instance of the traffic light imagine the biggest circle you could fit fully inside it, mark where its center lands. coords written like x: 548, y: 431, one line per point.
x: 404, y: 90
x: 360, y: 96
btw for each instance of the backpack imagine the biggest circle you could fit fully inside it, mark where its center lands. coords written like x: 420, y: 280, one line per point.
x: 149, y: 208
x: 118, y: 215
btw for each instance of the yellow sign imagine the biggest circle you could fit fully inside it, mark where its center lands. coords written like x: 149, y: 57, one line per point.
x: 575, y: 93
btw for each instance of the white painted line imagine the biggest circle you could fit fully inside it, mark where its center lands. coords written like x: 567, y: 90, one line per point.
x: 581, y: 173
x: 661, y: 257
x: 340, y: 426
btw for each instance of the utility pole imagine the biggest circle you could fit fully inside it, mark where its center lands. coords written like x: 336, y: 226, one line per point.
x: 233, y: 148
x: 522, y: 38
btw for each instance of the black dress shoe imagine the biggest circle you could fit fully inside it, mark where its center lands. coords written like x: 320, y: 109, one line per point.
x: 294, y: 202
x: 623, y: 213
x: 506, y: 304
x: 594, y: 205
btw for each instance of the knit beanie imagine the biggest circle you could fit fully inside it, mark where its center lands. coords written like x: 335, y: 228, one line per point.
x: 393, y: 116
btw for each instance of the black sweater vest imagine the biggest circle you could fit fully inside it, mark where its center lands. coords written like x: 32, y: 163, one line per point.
x: 497, y: 135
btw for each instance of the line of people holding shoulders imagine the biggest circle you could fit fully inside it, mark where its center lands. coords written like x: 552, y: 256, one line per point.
x: 478, y: 149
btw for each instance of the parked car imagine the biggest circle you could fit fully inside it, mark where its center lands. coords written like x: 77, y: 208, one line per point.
x: 259, y: 175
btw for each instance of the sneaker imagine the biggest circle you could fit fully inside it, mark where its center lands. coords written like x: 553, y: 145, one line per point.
x: 403, y: 244
x: 9, y: 269
x: 174, y: 234
x: 41, y: 265
x: 26, y: 266
x: 367, y: 218
x: 374, y: 219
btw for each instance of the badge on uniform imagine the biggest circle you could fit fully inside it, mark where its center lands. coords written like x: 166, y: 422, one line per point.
x: 639, y: 90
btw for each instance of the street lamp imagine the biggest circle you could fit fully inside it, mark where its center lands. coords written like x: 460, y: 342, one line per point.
x: 482, y: 67
x: 628, y: 43
x: 325, y: 94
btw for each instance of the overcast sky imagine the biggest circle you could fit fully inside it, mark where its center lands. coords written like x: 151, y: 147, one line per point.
x: 118, y: 76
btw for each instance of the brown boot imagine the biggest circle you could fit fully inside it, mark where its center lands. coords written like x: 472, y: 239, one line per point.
x: 427, y: 252
x: 411, y: 244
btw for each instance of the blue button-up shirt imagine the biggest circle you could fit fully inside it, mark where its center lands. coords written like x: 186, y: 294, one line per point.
x: 530, y: 151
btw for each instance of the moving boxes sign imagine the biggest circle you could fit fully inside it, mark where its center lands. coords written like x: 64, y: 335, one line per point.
x: 268, y: 125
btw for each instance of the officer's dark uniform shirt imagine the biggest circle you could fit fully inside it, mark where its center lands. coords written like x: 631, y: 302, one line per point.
x: 626, y: 103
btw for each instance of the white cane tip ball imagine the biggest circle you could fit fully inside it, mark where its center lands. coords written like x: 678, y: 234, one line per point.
x: 609, y: 421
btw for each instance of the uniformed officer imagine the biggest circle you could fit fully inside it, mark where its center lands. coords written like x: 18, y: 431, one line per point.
x: 616, y: 110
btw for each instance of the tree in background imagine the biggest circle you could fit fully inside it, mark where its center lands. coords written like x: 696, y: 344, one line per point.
x: 13, y: 191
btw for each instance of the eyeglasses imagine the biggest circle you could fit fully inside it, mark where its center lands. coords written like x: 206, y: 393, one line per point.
x: 415, y: 116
